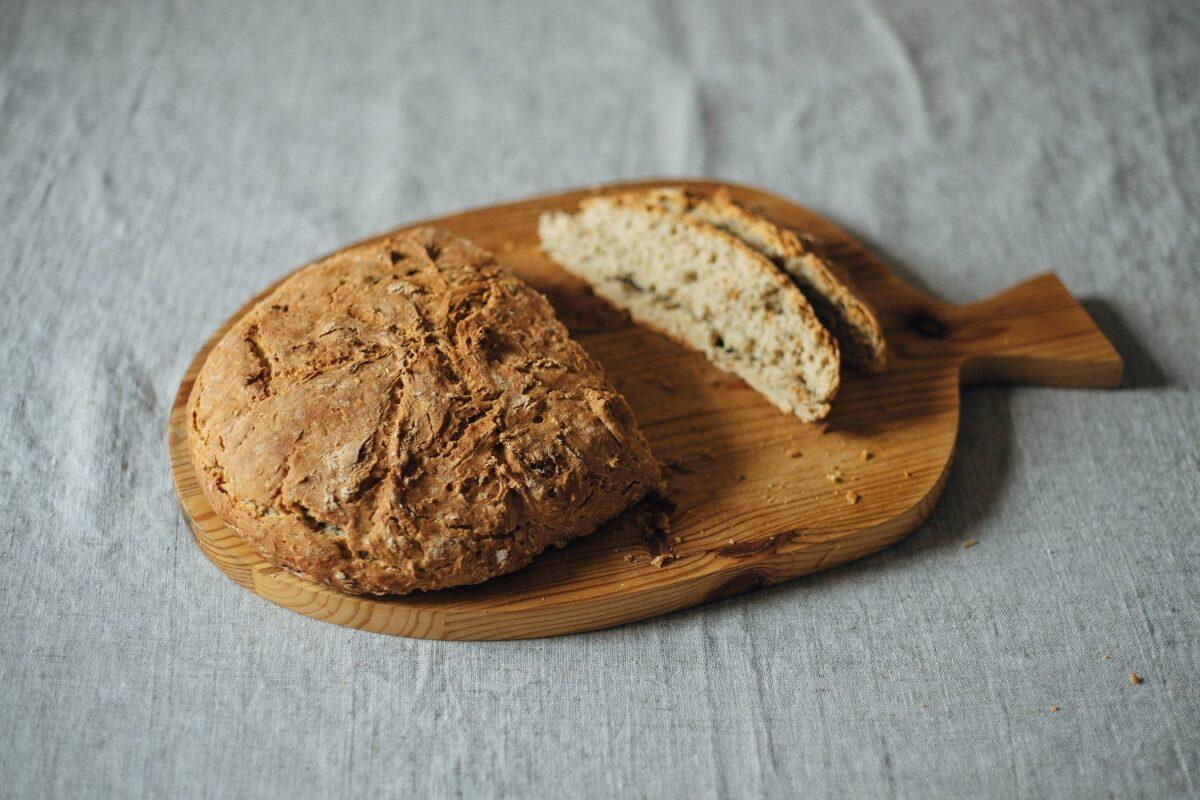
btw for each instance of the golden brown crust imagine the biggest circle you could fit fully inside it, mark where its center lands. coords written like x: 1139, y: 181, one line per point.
x: 407, y: 415
x: 833, y: 296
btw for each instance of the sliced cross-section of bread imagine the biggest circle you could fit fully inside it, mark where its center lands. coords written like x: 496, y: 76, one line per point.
x: 832, y: 295
x: 702, y: 286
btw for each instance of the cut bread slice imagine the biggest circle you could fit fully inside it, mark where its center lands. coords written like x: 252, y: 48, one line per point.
x: 833, y: 297
x: 704, y: 287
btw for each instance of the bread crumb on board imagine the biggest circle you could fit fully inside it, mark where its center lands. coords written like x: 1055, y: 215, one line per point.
x: 1055, y: 709
x: 835, y: 476
x: 906, y: 474
x: 794, y: 453
x: 866, y: 455
x: 1134, y: 678
x: 852, y: 497
x: 969, y: 543
x: 662, y: 383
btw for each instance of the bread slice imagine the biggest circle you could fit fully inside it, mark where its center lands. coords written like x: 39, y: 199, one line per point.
x: 404, y: 415
x: 833, y: 297
x: 704, y: 287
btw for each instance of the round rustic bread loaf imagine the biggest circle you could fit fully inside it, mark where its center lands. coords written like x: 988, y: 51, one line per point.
x: 407, y: 415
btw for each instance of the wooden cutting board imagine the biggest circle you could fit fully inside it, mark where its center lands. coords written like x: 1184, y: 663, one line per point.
x: 761, y: 497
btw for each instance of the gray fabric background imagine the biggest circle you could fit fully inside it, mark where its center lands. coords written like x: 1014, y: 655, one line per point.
x: 160, y: 163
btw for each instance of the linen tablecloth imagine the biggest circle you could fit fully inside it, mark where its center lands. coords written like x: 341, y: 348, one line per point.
x: 160, y: 162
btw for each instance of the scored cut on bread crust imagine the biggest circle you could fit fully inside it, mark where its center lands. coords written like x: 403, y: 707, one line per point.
x: 407, y: 415
x: 832, y: 294
x: 705, y: 287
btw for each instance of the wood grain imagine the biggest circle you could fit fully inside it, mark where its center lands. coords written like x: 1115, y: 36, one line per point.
x: 761, y: 497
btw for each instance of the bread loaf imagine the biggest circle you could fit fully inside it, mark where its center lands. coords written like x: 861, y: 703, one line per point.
x: 407, y: 415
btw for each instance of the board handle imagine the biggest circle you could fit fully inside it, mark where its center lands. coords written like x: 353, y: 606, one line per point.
x: 1034, y: 333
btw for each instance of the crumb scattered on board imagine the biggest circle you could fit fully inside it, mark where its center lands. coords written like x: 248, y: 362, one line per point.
x: 969, y: 543
x: 866, y: 455
x: 794, y: 453
x: 835, y: 475
x: 1055, y: 709
x: 906, y: 474
x: 677, y: 465
x: 1135, y: 678
x: 852, y: 497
